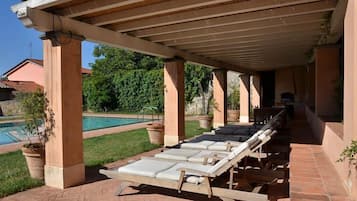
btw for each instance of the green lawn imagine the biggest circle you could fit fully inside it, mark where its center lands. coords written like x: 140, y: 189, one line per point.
x: 97, y: 151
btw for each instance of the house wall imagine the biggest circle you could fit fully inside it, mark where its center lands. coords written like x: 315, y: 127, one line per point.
x: 290, y: 80
x: 29, y: 72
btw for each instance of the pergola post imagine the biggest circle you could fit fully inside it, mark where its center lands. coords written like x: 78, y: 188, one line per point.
x: 327, y: 66
x: 350, y: 90
x: 63, y: 87
x: 220, y: 98
x: 244, y: 88
x: 256, y: 91
x: 174, y: 101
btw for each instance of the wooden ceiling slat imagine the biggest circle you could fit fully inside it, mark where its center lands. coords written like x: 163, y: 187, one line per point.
x: 295, y: 20
x: 271, y: 38
x: 316, y: 7
x: 204, y: 13
x: 314, y: 26
x: 150, y: 10
x: 94, y: 6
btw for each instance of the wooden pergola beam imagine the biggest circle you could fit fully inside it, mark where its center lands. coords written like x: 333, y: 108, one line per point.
x: 39, y: 4
x: 315, y: 7
x: 255, y: 47
x: 47, y: 22
x: 270, y: 38
x: 294, y: 20
x: 93, y: 6
x: 314, y: 26
x: 150, y: 10
x: 204, y: 13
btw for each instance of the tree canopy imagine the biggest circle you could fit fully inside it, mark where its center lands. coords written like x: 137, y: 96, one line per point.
x: 123, y: 80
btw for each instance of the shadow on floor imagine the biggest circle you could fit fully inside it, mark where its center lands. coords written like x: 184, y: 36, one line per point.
x: 93, y: 175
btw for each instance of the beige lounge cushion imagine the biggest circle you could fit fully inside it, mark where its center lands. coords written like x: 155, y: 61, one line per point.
x: 173, y: 173
x: 218, y: 146
x: 197, y: 145
x: 177, y: 154
x: 146, y: 167
x: 202, y: 155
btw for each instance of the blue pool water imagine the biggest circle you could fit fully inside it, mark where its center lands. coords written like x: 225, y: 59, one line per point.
x: 14, y: 132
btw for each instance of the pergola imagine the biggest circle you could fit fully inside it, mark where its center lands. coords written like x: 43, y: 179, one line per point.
x: 246, y: 36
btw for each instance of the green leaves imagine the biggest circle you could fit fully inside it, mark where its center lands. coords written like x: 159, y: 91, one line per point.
x: 128, y: 81
x: 349, y: 153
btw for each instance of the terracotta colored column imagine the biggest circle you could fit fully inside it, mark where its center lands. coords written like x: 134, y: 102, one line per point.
x: 244, y: 88
x: 63, y: 87
x: 327, y: 74
x: 256, y: 91
x: 220, y: 98
x: 174, y: 101
x: 350, y: 87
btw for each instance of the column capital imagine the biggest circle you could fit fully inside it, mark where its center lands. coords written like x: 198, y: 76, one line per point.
x: 219, y: 70
x: 59, y: 38
x: 174, y: 59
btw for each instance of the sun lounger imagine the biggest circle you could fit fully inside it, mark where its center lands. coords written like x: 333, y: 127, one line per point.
x: 189, y: 176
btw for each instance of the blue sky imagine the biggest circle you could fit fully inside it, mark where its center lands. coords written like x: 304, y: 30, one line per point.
x: 18, y: 42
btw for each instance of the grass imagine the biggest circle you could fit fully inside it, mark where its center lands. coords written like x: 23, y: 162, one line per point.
x: 14, y: 176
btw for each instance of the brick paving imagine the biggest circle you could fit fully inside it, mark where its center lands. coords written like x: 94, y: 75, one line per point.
x: 312, y: 178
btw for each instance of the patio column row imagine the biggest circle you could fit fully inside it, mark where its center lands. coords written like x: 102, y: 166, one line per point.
x: 63, y: 87
x: 244, y: 89
x: 174, y: 92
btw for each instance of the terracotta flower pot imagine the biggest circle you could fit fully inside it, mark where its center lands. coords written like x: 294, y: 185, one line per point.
x: 232, y: 115
x: 35, y: 160
x: 205, y: 121
x: 156, y: 133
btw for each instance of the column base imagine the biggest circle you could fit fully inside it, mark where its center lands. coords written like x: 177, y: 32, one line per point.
x: 170, y: 140
x: 216, y: 125
x: 59, y: 177
x: 244, y: 119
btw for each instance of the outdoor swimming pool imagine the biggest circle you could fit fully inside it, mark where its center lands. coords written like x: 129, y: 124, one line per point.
x: 14, y: 132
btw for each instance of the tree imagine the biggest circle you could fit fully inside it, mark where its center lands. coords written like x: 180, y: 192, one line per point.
x: 197, y: 81
x: 98, y: 90
x: 127, y: 81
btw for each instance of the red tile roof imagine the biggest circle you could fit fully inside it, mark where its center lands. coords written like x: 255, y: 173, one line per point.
x: 22, y: 86
x: 40, y: 63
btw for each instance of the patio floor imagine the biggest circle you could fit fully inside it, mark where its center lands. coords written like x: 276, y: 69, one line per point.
x: 312, y: 178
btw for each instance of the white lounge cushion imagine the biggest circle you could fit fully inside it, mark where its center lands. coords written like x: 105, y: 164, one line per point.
x: 177, y: 154
x: 218, y: 146
x: 146, y: 167
x: 197, y: 145
x: 200, y: 157
x: 173, y: 173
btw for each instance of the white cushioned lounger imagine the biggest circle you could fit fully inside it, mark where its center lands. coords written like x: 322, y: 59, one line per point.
x: 177, y: 154
x: 197, y: 145
x: 146, y: 167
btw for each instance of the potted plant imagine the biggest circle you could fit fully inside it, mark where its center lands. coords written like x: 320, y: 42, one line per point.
x: 233, y: 105
x: 36, y: 113
x: 155, y: 130
x: 205, y: 118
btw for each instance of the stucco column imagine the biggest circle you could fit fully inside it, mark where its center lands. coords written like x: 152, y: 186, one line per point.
x: 256, y: 91
x: 63, y: 87
x: 244, y: 88
x: 174, y: 101
x: 326, y: 77
x: 220, y: 98
x: 350, y: 83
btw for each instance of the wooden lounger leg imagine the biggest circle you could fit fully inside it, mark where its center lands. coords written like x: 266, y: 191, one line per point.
x: 231, y: 172
x: 180, y: 182
x: 209, y: 189
x: 121, y: 187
